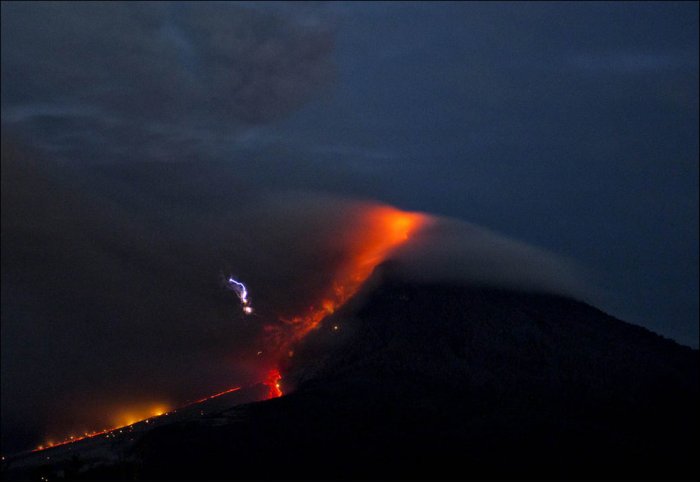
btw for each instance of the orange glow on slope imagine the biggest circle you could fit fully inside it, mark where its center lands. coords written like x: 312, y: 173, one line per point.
x: 139, y: 413
x: 273, y: 382
x: 379, y: 231
x: 383, y: 229
x: 123, y: 420
x: 128, y: 419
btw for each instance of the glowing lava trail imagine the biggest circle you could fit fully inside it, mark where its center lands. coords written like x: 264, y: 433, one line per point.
x: 378, y: 232
x: 386, y: 229
x: 210, y: 397
x: 158, y: 411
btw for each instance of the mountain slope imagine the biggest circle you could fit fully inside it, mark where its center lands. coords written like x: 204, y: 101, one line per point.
x: 423, y: 379
x: 438, y: 380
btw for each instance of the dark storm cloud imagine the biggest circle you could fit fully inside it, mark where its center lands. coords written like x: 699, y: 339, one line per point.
x: 160, y: 77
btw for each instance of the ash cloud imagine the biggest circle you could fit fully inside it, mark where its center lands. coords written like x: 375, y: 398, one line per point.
x: 456, y: 251
x: 111, y: 288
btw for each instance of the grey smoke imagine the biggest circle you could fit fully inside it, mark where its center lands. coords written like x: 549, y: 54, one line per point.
x: 456, y: 251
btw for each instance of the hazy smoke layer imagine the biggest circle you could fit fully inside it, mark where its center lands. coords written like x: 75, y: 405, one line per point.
x: 454, y: 250
x: 114, y: 301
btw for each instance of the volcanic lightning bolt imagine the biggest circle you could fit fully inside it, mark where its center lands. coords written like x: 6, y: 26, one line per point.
x: 242, y: 293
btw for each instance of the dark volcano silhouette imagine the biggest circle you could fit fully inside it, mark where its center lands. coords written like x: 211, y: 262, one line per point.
x: 443, y: 380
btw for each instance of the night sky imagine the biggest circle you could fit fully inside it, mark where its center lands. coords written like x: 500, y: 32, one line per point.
x: 150, y: 149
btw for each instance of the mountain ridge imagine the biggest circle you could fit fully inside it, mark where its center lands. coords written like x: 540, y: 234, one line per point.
x: 508, y: 384
x: 437, y: 380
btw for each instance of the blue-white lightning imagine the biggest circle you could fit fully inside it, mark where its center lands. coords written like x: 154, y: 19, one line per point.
x: 242, y: 293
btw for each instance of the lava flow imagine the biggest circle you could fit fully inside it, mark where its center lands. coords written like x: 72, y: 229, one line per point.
x: 384, y: 229
x: 273, y: 383
x: 371, y: 238
x: 126, y: 420
x: 131, y: 419
x: 380, y: 230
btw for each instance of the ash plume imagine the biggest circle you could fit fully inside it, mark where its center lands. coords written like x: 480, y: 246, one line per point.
x: 454, y: 250
x: 138, y: 278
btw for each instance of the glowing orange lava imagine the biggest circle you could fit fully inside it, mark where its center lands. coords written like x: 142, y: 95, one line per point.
x: 383, y: 229
x: 138, y: 413
x: 230, y: 390
x: 128, y: 420
x: 273, y: 382
x: 379, y: 231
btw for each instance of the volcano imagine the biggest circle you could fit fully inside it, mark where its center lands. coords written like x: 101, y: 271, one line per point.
x: 437, y: 380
